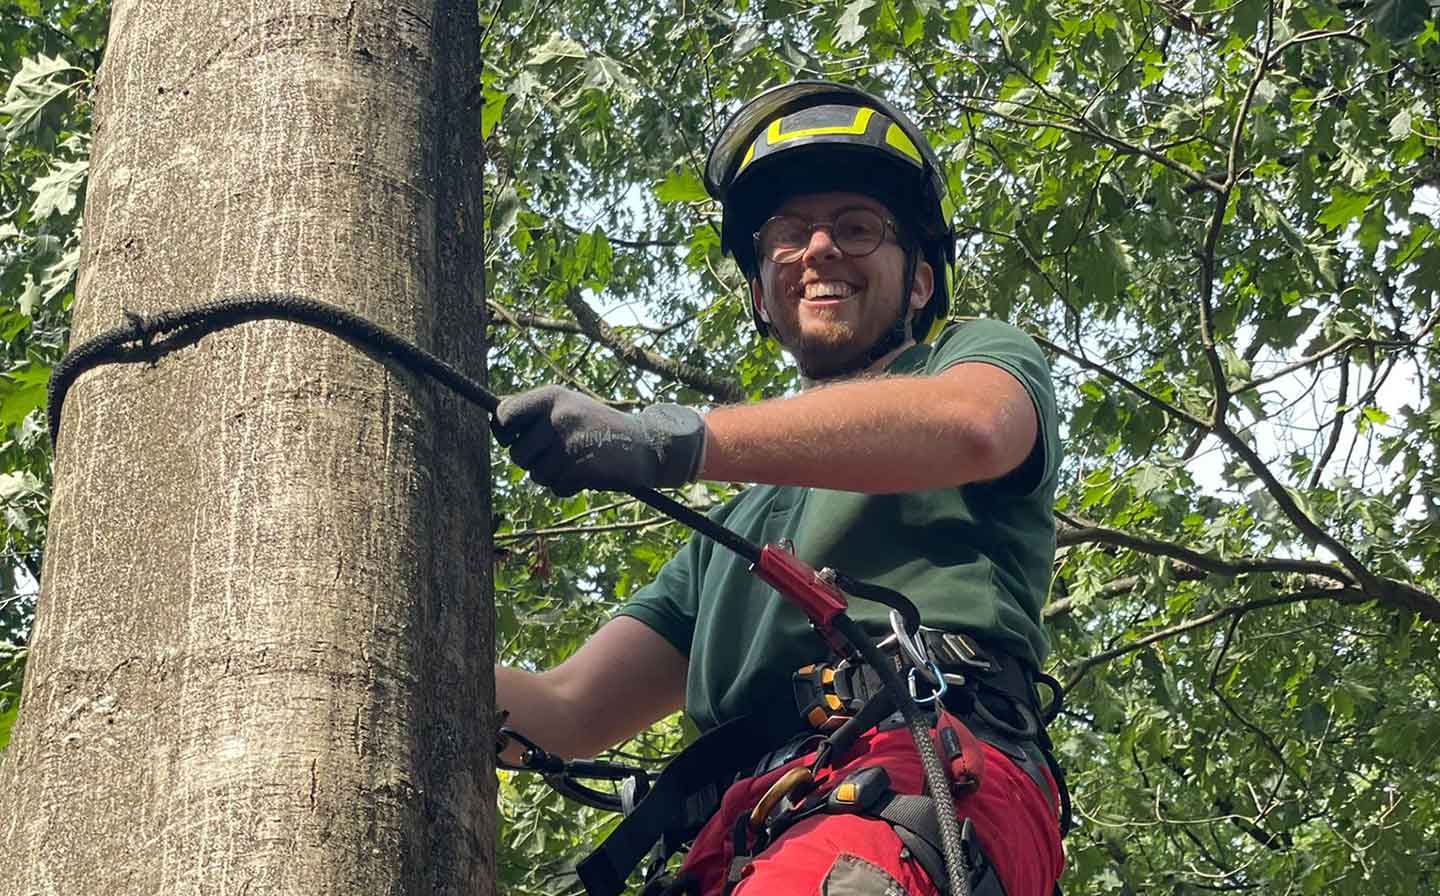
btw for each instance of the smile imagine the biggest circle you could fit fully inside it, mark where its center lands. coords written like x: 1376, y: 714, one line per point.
x: 824, y: 290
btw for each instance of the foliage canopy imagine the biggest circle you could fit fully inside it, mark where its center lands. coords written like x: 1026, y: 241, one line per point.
x: 1219, y: 217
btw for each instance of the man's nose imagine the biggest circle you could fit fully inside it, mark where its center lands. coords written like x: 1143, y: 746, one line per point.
x: 821, y: 247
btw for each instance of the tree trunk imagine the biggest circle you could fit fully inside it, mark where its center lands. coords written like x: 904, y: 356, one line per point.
x: 262, y: 654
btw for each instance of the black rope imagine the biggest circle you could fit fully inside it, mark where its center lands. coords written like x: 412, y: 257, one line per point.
x: 136, y: 341
x: 957, y: 865
x: 148, y: 337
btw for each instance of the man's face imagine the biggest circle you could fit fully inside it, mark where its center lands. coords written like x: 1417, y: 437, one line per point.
x: 827, y: 308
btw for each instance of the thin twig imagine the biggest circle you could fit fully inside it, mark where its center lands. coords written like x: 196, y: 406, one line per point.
x: 1348, y: 595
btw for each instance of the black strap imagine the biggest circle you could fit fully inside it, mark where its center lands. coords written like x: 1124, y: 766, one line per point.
x: 712, y: 760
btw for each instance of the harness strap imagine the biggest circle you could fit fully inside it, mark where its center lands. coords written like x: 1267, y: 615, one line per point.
x: 996, y: 700
x: 709, y: 762
x: 867, y: 792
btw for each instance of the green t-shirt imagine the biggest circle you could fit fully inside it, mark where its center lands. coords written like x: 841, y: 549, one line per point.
x: 975, y: 558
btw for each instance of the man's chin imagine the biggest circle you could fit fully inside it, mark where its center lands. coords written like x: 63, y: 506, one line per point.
x: 822, y: 360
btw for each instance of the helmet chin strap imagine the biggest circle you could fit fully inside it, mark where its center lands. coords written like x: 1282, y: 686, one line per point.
x: 892, y: 338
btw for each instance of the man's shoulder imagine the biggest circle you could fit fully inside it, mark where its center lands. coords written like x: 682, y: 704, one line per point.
x: 983, y: 339
x: 981, y: 330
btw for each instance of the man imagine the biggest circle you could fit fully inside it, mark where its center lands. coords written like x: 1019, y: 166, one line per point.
x: 926, y: 467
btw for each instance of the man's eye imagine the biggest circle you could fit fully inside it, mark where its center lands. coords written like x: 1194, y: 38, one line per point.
x: 855, y: 230
x: 789, y: 234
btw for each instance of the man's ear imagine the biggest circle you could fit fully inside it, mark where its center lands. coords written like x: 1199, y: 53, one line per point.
x: 757, y: 300
x: 922, y: 286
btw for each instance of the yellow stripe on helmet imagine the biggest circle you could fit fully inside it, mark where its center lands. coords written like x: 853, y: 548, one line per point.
x: 749, y: 157
x: 858, y: 126
x: 896, y: 138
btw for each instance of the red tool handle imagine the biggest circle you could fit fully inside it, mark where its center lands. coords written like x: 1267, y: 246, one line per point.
x: 799, y: 583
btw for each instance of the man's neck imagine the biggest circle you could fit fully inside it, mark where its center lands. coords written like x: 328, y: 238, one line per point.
x: 878, y: 366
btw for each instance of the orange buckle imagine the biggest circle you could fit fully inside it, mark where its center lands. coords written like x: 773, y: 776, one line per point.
x: 798, y: 778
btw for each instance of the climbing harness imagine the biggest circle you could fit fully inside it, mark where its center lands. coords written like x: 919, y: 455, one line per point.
x: 864, y: 687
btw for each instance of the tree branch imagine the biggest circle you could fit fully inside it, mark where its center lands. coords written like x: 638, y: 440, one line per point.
x: 636, y: 356
x: 1391, y: 592
x: 535, y: 321
x: 1335, y: 425
x: 1345, y: 595
x: 561, y: 375
x: 510, y: 537
x: 1168, y: 407
x: 628, y: 243
x: 1082, y: 532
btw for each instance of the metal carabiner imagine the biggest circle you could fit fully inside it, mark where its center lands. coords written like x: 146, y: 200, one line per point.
x: 937, y: 693
x: 915, y: 653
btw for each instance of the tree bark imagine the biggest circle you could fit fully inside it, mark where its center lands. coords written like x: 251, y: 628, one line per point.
x: 262, y: 654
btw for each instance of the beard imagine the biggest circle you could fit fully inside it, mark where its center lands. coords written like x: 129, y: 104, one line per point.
x: 825, y: 355
x: 838, y: 349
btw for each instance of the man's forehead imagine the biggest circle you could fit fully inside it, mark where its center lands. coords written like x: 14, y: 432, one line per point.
x: 812, y: 205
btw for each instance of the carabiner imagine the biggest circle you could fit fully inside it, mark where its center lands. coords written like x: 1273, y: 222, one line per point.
x: 937, y: 693
x: 914, y: 652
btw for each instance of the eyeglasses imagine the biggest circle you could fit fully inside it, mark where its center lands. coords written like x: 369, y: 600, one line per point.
x: 856, y: 231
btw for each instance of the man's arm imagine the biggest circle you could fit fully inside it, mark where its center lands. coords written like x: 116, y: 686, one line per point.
x: 621, y: 681
x: 971, y: 423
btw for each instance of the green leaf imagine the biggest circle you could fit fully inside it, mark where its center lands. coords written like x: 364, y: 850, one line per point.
x: 38, y: 82
x: 557, y: 47
x: 604, y: 73
x: 23, y: 391
x: 7, y: 723
x: 492, y: 111
x: 1400, y: 125
x: 682, y: 185
x: 1345, y: 206
x: 29, y: 296
x: 914, y: 28
x: 19, y: 403
x: 1398, y: 19
x: 24, y: 482
x: 61, y: 274
x: 56, y: 192
x: 849, y: 31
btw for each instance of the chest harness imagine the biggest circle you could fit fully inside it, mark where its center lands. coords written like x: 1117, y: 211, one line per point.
x: 942, y: 687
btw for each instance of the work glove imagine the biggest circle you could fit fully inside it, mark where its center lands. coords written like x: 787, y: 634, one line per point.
x: 568, y: 441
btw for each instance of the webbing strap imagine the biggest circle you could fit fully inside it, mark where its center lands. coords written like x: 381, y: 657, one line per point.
x: 914, y: 821
x: 714, y: 758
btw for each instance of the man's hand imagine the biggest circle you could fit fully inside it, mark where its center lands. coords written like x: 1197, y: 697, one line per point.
x: 568, y: 441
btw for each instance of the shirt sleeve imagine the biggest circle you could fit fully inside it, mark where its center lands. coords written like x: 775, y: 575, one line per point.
x: 668, y: 604
x: 1009, y: 348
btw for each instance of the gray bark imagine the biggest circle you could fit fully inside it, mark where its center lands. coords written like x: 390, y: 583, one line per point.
x: 262, y: 654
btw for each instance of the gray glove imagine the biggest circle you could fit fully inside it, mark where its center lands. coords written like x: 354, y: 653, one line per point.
x: 568, y: 441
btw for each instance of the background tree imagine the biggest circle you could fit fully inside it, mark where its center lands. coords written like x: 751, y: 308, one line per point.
x: 261, y: 655
x: 1221, y: 220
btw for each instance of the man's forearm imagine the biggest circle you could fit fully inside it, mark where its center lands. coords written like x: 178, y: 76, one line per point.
x: 619, y: 682
x: 972, y: 423
x: 535, y: 709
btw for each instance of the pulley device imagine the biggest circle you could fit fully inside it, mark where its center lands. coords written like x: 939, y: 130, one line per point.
x: 946, y: 754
